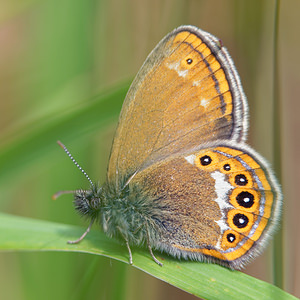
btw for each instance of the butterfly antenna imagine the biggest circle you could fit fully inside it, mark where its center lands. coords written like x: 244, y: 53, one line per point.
x: 75, y: 162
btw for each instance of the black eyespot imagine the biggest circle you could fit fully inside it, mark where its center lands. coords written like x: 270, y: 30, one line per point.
x: 240, y: 179
x: 230, y: 237
x: 227, y: 167
x: 240, y: 220
x: 205, y: 160
x: 245, y: 199
x: 189, y: 61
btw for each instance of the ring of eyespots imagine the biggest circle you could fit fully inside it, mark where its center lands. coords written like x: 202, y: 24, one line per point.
x: 240, y: 220
x: 189, y: 61
x: 227, y: 167
x: 205, y: 160
x: 241, y: 180
x: 245, y: 199
x: 230, y: 237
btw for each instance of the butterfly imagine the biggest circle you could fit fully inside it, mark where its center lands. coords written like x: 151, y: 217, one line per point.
x: 180, y: 177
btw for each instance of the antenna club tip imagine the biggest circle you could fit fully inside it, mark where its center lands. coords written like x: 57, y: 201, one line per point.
x: 55, y: 196
x: 61, y: 144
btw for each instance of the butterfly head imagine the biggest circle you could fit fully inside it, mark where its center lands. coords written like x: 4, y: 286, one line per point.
x: 88, y: 202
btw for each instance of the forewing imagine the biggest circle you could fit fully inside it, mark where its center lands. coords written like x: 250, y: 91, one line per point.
x: 187, y: 92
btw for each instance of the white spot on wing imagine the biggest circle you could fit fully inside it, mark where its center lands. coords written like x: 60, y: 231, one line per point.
x: 191, y: 159
x: 204, y: 103
x: 222, y: 188
x: 222, y: 225
x: 218, y: 244
x: 176, y: 66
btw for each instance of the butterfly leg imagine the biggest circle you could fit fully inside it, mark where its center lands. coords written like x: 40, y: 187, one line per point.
x: 84, y: 234
x: 127, y: 245
x: 150, y: 250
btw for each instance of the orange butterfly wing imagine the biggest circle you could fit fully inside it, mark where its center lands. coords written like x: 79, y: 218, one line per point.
x: 186, y: 93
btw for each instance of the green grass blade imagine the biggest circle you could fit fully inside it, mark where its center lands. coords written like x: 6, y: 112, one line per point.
x: 207, y: 281
x: 278, y: 268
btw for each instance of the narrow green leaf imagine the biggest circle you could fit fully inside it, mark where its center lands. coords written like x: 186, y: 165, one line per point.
x: 207, y: 281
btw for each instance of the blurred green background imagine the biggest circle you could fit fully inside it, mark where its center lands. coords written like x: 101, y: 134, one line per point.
x: 57, y: 59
